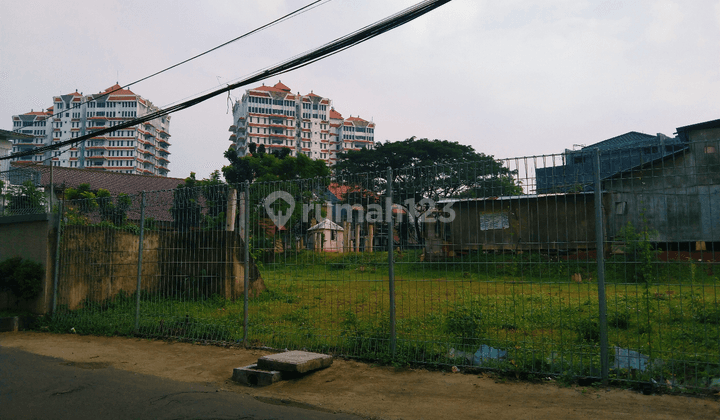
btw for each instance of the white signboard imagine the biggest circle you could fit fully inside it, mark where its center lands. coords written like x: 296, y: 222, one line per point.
x: 494, y: 221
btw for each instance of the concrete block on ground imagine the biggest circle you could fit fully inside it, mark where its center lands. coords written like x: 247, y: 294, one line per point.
x: 251, y: 375
x: 295, y: 361
x: 10, y: 323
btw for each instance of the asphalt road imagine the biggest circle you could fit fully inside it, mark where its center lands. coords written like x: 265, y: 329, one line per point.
x: 39, y: 387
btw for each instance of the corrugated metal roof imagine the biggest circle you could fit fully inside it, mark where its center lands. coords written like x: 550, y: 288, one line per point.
x: 630, y: 139
x: 617, y: 155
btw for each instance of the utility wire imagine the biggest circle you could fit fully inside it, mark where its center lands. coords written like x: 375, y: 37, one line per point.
x: 305, y: 59
x: 288, y: 16
x: 259, y: 29
x: 274, y: 22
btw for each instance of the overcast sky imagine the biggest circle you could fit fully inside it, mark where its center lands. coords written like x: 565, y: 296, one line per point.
x: 510, y: 78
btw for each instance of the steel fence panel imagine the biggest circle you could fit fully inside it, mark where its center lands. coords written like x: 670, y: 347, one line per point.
x: 97, y: 263
x: 663, y: 212
x: 22, y: 193
x: 489, y: 264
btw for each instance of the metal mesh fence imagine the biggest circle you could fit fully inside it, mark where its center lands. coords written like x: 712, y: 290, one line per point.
x: 21, y: 193
x: 598, y: 264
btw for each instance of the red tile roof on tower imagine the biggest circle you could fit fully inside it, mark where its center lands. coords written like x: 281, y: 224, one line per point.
x: 118, y: 91
x: 37, y: 112
x: 312, y: 95
x: 335, y: 115
x: 355, y: 119
x: 279, y: 87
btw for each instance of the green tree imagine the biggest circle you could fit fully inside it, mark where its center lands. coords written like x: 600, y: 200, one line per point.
x: 26, y: 199
x: 268, y: 167
x: 86, y: 200
x: 83, y: 198
x: 190, y: 211
x: 426, y: 170
x: 432, y: 169
x: 114, y: 212
x: 304, y: 179
x: 215, y: 192
x: 186, y: 209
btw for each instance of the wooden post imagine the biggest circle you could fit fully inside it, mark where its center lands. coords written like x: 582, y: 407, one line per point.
x: 371, y: 232
x: 347, y: 246
x: 357, y: 237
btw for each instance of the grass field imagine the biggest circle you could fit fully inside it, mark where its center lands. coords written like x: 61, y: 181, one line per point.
x: 529, y: 305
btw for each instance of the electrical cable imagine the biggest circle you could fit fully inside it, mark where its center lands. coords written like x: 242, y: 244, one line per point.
x: 326, y: 50
x: 290, y: 15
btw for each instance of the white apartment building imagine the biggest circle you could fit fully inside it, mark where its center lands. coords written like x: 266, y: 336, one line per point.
x: 141, y: 149
x: 275, y: 117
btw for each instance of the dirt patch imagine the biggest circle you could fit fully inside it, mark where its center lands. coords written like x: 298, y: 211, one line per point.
x: 360, y: 388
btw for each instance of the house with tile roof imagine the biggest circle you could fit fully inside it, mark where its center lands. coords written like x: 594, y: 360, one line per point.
x: 159, y: 190
x: 276, y: 118
x: 143, y: 149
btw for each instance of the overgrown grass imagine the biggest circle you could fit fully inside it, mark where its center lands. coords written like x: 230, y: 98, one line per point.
x: 527, y: 305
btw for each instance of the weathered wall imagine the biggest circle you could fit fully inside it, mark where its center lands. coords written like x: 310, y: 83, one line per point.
x: 558, y: 222
x: 98, y: 263
x: 677, y: 199
x: 204, y: 263
x: 31, y: 237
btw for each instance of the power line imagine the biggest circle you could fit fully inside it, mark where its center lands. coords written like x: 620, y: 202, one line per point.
x: 273, y: 23
x: 290, y: 15
x: 333, y: 47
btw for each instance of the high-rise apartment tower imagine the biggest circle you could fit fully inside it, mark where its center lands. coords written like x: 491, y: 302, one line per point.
x: 142, y: 149
x: 275, y: 117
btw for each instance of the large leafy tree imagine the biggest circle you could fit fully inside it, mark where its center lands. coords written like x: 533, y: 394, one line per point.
x: 200, y: 203
x: 424, y: 171
x: 301, y: 177
x: 268, y: 167
x: 432, y: 169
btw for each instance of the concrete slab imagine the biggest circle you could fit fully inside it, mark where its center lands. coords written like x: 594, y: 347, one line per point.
x: 251, y: 375
x: 295, y: 361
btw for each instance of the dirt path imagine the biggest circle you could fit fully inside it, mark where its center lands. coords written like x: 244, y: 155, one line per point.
x: 359, y: 388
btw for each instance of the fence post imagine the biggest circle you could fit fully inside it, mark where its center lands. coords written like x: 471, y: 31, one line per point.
x: 246, y: 271
x: 56, y: 273
x: 391, y: 262
x: 599, y: 236
x: 140, y: 259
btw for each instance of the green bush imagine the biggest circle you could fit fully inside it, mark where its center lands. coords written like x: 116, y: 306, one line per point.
x: 639, y: 253
x: 23, y: 278
x: 588, y: 330
x: 464, y: 322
